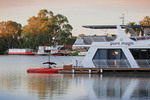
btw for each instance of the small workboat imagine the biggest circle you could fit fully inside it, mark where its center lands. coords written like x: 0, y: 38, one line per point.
x: 16, y: 51
x: 54, y: 51
x: 45, y: 70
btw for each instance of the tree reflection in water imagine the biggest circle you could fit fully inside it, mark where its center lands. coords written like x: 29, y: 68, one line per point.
x: 88, y: 87
x: 48, y: 85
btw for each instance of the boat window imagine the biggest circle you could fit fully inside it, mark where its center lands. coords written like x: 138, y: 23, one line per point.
x: 140, y: 53
x: 101, y: 54
x: 110, y: 58
x: 109, y: 54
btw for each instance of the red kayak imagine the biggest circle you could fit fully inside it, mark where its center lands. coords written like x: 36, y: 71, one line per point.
x: 43, y: 70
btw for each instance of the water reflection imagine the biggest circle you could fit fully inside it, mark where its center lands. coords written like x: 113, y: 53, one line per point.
x: 16, y: 84
x: 120, y: 87
x: 88, y: 87
x: 9, y: 81
x: 142, y: 89
x: 48, y: 85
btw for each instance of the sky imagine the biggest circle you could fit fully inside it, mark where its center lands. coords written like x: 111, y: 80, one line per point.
x: 78, y: 12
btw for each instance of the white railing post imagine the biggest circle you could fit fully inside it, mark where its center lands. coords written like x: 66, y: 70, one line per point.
x: 148, y: 63
x: 126, y: 63
x: 113, y: 63
x: 105, y: 63
x: 117, y: 64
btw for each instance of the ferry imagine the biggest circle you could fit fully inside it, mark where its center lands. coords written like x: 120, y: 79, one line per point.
x: 17, y: 51
x: 122, y: 52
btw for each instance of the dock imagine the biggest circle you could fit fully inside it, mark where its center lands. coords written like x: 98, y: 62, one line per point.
x: 68, y: 69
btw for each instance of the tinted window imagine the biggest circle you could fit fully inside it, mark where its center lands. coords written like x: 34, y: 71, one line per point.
x: 109, y: 54
x: 140, y: 53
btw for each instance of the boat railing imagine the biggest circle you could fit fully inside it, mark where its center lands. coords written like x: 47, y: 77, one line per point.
x: 77, y: 63
x: 120, y: 63
x: 111, y: 63
x: 143, y: 63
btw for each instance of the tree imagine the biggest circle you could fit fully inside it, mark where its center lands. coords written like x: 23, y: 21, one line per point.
x: 145, y: 22
x: 140, y: 31
x: 10, y: 31
x: 3, y: 46
x: 71, y: 40
x: 62, y: 30
x: 136, y: 30
x: 81, y: 35
x: 45, y: 29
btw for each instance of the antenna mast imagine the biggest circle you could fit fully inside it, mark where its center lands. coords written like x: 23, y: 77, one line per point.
x: 123, y: 18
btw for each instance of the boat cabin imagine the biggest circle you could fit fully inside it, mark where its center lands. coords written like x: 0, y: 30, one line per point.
x: 123, y: 52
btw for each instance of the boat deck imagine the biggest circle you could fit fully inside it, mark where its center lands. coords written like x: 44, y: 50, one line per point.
x: 73, y: 70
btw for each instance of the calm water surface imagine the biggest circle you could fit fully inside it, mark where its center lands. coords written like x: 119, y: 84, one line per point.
x: 16, y: 84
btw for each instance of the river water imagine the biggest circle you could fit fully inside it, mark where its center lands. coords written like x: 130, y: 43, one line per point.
x: 16, y: 84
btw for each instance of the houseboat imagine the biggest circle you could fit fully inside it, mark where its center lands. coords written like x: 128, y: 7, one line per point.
x: 16, y: 51
x: 105, y: 54
x: 123, y: 52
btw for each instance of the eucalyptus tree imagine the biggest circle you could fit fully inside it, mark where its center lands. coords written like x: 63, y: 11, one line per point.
x: 10, y: 31
x: 3, y: 45
x: 81, y: 35
x: 61, y: 29
x: 45, y: 29
x: 145, y: 22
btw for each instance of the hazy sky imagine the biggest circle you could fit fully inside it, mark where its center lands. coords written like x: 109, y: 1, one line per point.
x: 78, y: 12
